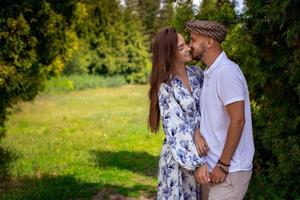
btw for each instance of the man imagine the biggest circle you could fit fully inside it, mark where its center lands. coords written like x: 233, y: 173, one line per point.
x: 225, y: 116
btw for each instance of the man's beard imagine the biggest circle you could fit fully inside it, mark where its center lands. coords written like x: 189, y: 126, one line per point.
x: 197, y: 54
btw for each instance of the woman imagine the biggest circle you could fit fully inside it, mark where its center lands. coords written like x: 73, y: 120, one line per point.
x: 175, y: 98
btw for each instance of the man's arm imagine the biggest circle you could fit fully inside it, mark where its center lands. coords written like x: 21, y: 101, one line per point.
x: 237, y: 121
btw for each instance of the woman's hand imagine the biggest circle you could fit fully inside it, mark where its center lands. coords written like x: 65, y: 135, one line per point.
x: 202, y: 175
x: 200, y: 143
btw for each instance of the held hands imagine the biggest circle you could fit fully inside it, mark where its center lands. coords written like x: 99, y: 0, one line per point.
x: 200, y: 143
x: 219, y: 172
x: 202, y: 174
x: 217, y: 175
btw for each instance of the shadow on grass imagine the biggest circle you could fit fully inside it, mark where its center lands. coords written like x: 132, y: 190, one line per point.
x: 58, y: 187
x: 140, y: 191
x: 47, y: 187
x: 137, y: 162
x: 68, y: 187
x: 6, y: 157
x: 51, y: 187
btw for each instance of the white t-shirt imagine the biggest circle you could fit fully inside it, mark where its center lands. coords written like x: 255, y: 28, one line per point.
x: 224, y: 83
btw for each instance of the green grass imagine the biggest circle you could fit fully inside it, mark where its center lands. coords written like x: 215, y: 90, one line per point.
x: 73, y: 145
x: 81, y: 82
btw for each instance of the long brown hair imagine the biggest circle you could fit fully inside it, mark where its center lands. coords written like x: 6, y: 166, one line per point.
x: 164, y: 50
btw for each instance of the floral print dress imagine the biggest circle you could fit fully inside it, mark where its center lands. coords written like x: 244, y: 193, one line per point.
x: 180, y: 115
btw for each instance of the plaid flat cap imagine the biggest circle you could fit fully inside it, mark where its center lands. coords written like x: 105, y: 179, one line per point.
x: 211, y: 29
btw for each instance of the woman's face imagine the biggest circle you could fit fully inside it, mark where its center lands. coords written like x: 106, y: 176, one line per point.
x: 183, y: 50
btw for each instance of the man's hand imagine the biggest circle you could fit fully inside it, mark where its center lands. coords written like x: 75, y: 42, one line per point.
x: 200, y: 143
x: 202, y: 174
x: 217, y: 175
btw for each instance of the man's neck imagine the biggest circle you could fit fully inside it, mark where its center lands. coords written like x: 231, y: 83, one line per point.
x: 211, y: 57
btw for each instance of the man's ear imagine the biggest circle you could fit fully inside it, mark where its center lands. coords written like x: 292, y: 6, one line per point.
x: 210, y: 42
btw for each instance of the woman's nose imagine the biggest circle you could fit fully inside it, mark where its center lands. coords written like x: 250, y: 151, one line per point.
x: 188, y: 48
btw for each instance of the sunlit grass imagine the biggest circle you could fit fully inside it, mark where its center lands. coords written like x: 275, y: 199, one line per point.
x: 82, y: 142
x: 80, y: 82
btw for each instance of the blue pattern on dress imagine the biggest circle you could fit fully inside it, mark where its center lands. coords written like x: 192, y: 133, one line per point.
x: 180, y: 115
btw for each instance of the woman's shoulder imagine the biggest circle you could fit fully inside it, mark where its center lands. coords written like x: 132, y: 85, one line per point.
x: 165, y: 88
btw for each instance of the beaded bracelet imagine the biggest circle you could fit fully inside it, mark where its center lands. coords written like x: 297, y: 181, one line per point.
x: 219, y: 161
x: 226, y: 172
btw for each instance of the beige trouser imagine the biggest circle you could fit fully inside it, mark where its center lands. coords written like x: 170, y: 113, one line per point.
x: 233, y: 188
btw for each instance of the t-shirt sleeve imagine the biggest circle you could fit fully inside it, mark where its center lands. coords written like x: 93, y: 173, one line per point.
x: 230, y: 86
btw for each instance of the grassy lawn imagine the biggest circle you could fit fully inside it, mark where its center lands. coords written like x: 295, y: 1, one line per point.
x: 80, y: 144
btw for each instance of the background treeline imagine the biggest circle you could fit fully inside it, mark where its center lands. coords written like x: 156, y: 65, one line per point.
x: 43, y: 38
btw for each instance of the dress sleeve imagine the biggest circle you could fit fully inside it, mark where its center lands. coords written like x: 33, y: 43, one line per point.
x: 179, y: 134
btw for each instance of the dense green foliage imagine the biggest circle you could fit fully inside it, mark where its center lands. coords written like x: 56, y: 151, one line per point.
x: 264, y: 41
x: 274, y: 27
x: 35, y: 41
x: 154, y: 14
x: 112, y: 41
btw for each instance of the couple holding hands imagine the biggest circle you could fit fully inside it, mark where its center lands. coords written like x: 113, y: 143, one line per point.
x: 208, y: 149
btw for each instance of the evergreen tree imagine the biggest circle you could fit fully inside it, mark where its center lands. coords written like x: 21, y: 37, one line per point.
x: 138, y: 66
x: 112, y: 40
x: 35, y: 40
x: 106, y: 37
x: 165, y: 15
x: 274, y: 27
x: 218, y: 10
x: 147, y: 11
x: 183, y: 12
